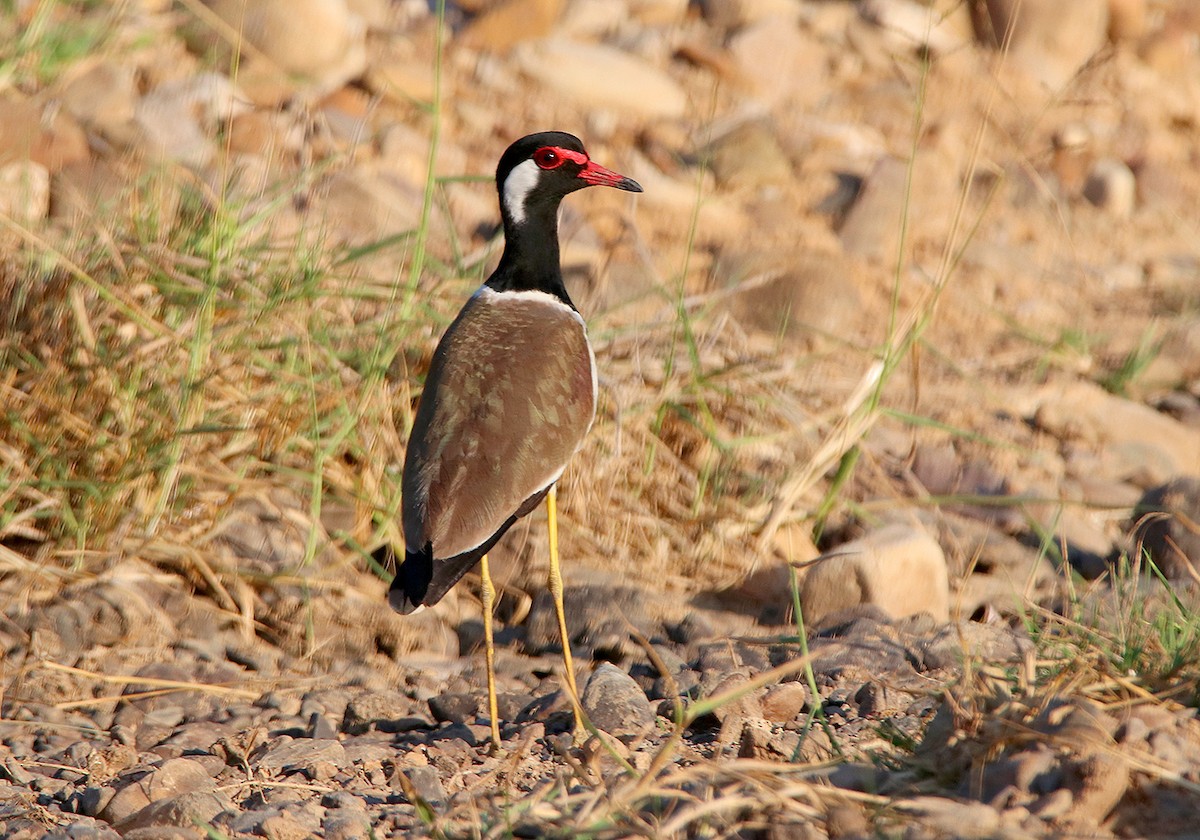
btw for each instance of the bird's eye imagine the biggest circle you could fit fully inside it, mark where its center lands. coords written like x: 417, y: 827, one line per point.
x: 547, y: 158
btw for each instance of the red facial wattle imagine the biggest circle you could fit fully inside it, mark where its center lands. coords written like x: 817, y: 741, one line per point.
x: 592, y: 174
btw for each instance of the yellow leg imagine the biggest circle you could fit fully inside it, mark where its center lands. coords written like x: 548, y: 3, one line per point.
x: 556, y: 590
x: 488, y: 596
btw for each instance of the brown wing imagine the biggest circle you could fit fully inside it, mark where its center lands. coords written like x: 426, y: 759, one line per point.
x: 509, y: 397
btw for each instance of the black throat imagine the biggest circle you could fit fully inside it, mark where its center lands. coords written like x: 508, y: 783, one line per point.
x: 530, y: 262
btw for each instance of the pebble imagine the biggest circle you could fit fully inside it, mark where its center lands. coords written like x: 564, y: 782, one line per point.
x: 453, y: 707
x: 175, y: 777
x: 1112, y: 186
x: 898, y: 568
x: 289, y: 755
x: 1164, y: 526
x: 24, y: 191
x: 378, y: 710
x: 872, y: 224
x: 784, y: 702
x: 363, y: 206
x: 427, y: 783
x: 102, y: 95
x: 40, y: 132
x: 616, y: 704
x: 749, y: 157
x: 282, y: 825
x: 185, y: 810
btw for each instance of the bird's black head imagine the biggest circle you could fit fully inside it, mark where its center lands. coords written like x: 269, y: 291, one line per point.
x: 538, y: 170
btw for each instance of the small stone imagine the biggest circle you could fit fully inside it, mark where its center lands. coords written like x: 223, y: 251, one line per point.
x: 780, y: 63
x: 761, y: 741
x: 284, y: 826
x: 954, y: 643
x: 871, y: 226
x: 427, y: 783
x: 381, y: 710
x: 40, y: 132
x: 102, y: 96
x: 319, y: 726
x: 454, y: 707
x: 183, y: 811
x: 1112, y: 187
x: 1143, y: 442
x: 93, y: 799
x: 973, y: 820
x: 319, y: 42
x: 125, y: 802
x: 16, y: 773
x: 783, y: 703
x: 24, y: 191
x: 877, y: 700
x: 177, y: 776
x: 846, y: 820
x: 749, y: 156
x: 899, y: 568
x: 250, y: 821
x: 1097, y: 783
x: 1165, y: 520
x: 339, y: 826
x: 289, y: 756
x: 1126, y: 20
x: 693, y: 629
x: 742, y: 705
x: 364, y: 204
x: 616, y: 704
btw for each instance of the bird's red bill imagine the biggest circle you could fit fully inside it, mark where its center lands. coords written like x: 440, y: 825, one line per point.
x: 596, y: 175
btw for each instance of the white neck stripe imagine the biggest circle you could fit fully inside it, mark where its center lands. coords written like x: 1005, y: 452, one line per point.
x: 517, y: 186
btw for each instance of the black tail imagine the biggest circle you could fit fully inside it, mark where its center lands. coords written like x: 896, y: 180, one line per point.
x: 415, y: 586
x: 411, y: 583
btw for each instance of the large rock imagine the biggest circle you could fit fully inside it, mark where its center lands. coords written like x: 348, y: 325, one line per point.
x: 898, y: 568
x: 778, y: 62
x: 600, y: 76
x: 509, y: 22
x: 183, y: 811
x: 177, y: 120
x: 1047, y: 39
x: 101, y: 95
x: 1138, y: 443
x: 319, y: 43
x: 38, y: 131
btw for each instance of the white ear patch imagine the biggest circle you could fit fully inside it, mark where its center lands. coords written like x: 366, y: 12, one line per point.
x: 520, y: 181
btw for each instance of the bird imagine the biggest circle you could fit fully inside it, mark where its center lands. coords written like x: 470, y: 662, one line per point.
x: 508, y: 399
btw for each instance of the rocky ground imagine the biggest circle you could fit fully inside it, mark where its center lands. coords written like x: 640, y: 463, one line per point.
x: 907, y: 318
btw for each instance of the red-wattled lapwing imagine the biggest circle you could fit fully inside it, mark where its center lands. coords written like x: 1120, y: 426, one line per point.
x: 510, y: 394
